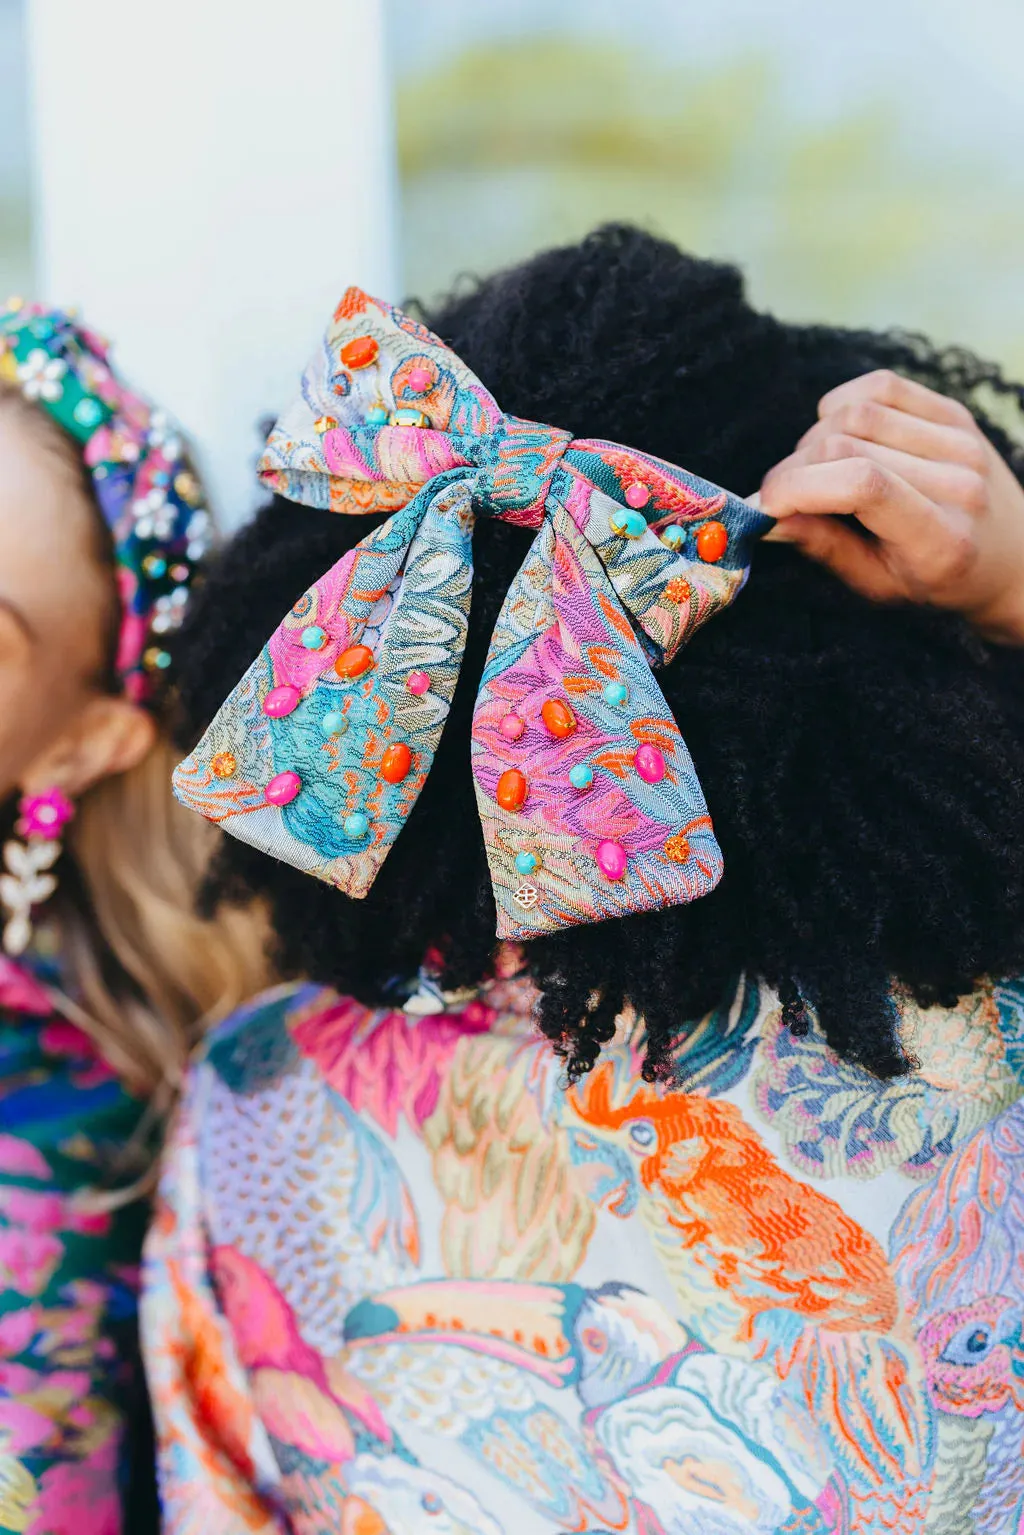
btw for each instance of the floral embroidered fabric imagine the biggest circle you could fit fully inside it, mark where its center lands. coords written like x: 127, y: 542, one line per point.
x: 68, y: 1275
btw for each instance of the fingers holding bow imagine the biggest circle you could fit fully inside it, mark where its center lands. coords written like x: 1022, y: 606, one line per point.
x: 897, y: 490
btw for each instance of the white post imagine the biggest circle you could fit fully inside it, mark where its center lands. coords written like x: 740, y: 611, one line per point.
x: 209, y: 176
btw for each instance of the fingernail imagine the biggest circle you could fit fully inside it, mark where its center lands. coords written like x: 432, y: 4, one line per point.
x: 782, y: 533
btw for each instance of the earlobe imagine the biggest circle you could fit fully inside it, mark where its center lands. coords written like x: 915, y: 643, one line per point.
x: 109, y: 736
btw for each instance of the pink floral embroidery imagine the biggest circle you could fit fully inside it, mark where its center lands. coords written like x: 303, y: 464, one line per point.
x: 45, y: 815
x: 387, y: 1064
x: 17, y: 1329
x: 28, y: 1260
x: 21, y: 992
x: 24, y: 1428
x: 37, y: 1212
x: 21, y: 1159
x: 69, y: 1489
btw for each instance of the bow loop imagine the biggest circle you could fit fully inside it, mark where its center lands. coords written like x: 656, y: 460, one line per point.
x: 588, y: 797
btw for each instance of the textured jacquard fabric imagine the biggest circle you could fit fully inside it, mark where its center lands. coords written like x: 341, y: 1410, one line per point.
x: 319, y: 754
x: 68, y: 1276
x: 403, y: 1281
x: 141, y: 474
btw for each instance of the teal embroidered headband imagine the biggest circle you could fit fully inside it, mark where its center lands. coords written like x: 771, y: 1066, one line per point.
x: 588, y: 797
x: 144, y: 484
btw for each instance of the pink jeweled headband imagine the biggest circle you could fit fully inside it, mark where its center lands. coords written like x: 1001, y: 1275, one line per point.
x: 146, y: 489
x: 588, y: 797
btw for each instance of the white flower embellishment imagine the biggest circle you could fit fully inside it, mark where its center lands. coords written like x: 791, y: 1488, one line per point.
x: 198, y: 534
x: 169, y: 611
x: 162, y: 435
x: 26, y: 884
x: 41, y: 376
x: 154, y: 515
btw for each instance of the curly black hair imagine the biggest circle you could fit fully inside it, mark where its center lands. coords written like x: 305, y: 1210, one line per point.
x: 864, y: 765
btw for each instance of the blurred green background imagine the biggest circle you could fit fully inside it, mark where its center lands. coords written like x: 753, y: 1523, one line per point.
x: 862, y: 164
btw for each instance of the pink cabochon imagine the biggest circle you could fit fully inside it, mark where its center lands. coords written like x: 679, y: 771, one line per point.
x: 588, y: 607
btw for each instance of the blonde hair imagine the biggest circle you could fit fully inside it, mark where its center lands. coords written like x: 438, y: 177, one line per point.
x: 148, y: 973
x: 141, y: 972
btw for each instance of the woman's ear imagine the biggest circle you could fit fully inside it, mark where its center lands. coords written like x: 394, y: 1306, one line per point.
x: 108, y: 735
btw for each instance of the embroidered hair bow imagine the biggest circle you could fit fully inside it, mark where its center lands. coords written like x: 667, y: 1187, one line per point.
x: 588, y: 797
x: 144, y: 484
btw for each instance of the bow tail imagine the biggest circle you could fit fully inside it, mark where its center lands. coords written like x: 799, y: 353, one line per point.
x: 320, y: 752
x: 571, y: 723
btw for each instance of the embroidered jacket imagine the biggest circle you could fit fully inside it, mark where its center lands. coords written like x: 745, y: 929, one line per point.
x: 404, y: 1280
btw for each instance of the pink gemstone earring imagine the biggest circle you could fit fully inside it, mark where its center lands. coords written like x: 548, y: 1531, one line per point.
x: 27, y: 882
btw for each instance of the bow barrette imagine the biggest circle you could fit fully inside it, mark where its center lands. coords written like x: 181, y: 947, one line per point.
x: 588, y: 797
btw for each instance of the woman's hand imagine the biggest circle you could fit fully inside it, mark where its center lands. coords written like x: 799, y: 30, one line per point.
x: 944, y: 512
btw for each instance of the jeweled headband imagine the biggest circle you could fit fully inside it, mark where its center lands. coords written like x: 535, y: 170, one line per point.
x: 147, y: 491
x: 588, y: 797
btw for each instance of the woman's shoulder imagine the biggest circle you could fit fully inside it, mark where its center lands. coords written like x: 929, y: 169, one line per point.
x: 963, y: 1049
x: 270, y: 1008
x: 256, y: 1038
x: 826, y: 1116
x: 273, y: 1034
x: 774, y: 1236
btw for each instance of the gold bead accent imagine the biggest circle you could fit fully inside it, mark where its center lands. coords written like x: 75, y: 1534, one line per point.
x: 677, y: 848
x: 188, y: 488
x: 406, y: 416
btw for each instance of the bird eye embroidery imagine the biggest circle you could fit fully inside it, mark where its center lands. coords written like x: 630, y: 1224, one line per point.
x: 970, y: 1345
x: 594, y: 1340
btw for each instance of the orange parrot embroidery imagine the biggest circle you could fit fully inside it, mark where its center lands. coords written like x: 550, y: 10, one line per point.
x: 721, y: 1206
